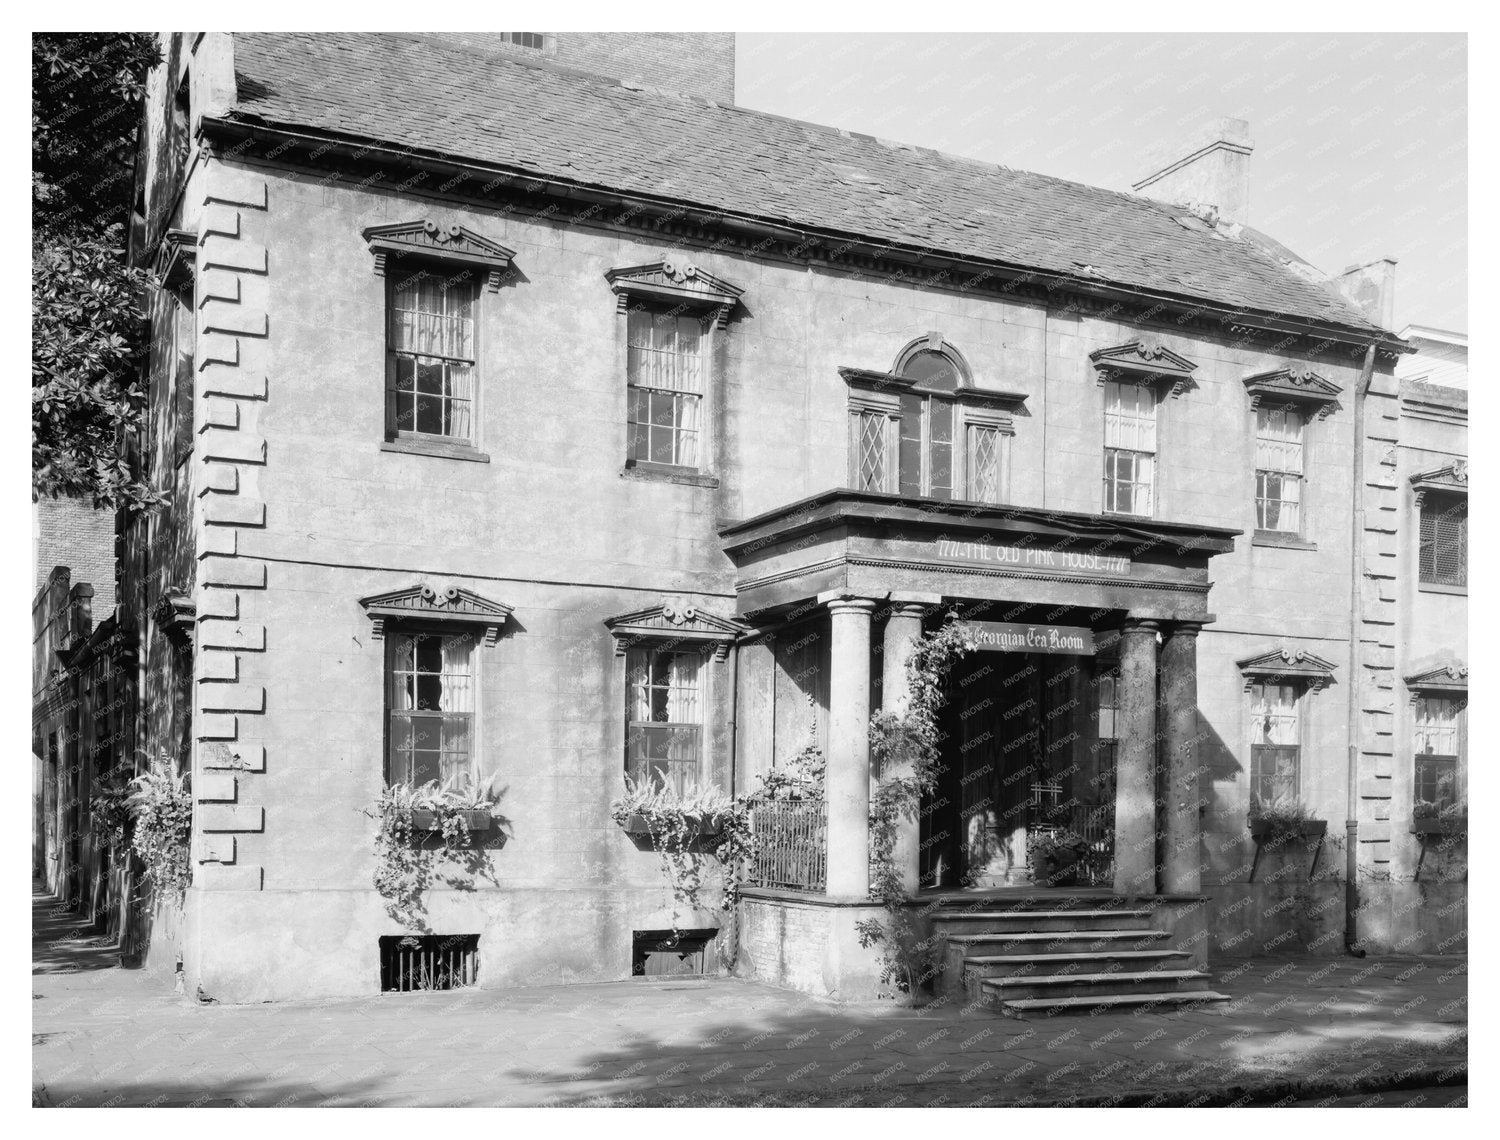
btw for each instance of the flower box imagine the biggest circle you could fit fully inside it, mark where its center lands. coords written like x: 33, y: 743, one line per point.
x: 1435, y: 825
x: 637, y: 825
x: 1308, y: 828
x: 426, y: 819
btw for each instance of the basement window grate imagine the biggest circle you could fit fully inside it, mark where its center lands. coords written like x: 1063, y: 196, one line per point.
x: 428, y: 962
x: 668, y: 953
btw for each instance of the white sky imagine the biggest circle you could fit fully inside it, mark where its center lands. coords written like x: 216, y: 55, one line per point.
x: 1360, y: 140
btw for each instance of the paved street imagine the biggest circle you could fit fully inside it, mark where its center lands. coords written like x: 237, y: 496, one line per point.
x: 1299, y: 1030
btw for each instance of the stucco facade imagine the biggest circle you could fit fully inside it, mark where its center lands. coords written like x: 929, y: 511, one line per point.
x: 294, y: 505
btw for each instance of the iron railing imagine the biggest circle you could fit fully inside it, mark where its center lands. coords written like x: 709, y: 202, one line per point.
x: 790, y: 844
x: 1095, y: 823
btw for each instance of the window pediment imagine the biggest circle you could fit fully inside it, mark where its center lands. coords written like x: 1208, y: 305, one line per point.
x: 175, y: 260
x: 671, y: 621
x: 450, y: 243
x: 1294, y: 385
x: 1447, y: 677
x: 1452, y: 477
x: 676, y: 281
x: 1284, y: 664
x: 1145, y: 362
x: 454, y: 605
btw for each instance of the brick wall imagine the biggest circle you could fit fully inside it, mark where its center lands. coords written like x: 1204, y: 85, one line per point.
x: 71, y: 533
x: 694, y: 63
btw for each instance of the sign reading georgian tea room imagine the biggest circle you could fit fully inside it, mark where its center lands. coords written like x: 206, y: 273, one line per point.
x: 1031, y: 558
x: 1017, y: 637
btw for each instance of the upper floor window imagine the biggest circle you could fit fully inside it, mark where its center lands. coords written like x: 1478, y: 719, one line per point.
x: 1129, y: 448
x: 1278, y: 469
x: 1275, y: 744
x: 183, y: 332
x: 1443, y: 545
x: 525, y: 39
x: 664, y: 716
x: 431, y: 367
x: 923, y: 430
x: 430, y: 704
x: 664, y: 372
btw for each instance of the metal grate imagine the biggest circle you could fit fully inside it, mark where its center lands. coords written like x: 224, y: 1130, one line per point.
x: 428, y: 962
x: 791, y: 844
x: 1443, y: 555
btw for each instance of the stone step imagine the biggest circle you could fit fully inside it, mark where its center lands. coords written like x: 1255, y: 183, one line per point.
x: 1000, y: 921
x: 1035, y: 965
x: 1058, y: 941
x: 1115, y: 982
x: 1105, y: 1003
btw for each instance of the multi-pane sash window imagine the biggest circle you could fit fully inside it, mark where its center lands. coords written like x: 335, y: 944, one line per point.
x: 1275, y: 744
x: 1435, y: 744
x: 1129, y: 448
x: 1278, y: 470
x: 925, y: 452
x: 431, y: 703
x: 182, y: 376
x: 1443, y: 553
x: 665, y: 374
x: 664, y: 716
x: 432, y: 355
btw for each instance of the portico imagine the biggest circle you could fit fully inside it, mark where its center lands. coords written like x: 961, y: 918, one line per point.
x: 876, y: 567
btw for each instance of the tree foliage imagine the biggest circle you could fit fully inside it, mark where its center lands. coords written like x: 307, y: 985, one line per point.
x: 88, y: 338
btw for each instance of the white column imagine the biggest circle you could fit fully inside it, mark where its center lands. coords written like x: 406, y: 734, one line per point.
x: 847, y: 780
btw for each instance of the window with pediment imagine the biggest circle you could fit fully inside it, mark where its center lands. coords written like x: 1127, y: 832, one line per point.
x: 1441, y: 499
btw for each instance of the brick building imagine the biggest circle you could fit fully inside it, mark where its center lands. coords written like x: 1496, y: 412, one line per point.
x: 576, y: 421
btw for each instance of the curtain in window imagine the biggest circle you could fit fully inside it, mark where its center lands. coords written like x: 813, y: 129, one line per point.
x: 664, y: 714
x: 1278, y: 469
x: 432, y: 341
x: 1129, y: 447
x: 431, y: 710
x: 1275, y: 750
x: 664, y: 369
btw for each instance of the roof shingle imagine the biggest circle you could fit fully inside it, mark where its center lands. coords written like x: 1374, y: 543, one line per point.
x: 555, y: 122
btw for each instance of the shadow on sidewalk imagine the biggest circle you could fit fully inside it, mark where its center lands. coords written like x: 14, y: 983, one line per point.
x: 61, y: 943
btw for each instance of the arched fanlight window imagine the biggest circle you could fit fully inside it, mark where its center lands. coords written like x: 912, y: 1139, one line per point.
x: 930, y: 428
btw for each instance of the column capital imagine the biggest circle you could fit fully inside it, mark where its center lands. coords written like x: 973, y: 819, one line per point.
x: 1141, y: 625
x: 1190, y: 628
x: 838, y: 601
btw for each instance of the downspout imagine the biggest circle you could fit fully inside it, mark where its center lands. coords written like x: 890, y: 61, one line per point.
x: 1356, y: 584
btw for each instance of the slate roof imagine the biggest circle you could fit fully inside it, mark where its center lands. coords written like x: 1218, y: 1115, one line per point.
x: 546, y: 120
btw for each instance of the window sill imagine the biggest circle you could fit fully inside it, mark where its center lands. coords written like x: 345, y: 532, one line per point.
x: 435, y: 448
x: 1442, y: 588
x: 1278, y: 538
x: 665, y: 473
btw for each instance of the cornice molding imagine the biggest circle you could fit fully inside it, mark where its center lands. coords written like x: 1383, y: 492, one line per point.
x: 1143, y: 361
x: 1286, y: 664
x: 428, y: 239
x: 869, y: 379
x: 673, y: 622
x: 452, y: 606
x: 1292, y: 384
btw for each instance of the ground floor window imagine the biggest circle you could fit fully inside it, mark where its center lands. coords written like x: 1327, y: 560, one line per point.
x: 1275, y: 745
x: 1436, y: 748
x: 431, y: 709
x: 664, y: 716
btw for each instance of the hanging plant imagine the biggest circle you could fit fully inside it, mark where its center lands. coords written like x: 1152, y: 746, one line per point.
x: 408, y: 817
x: 906, y: 746
x: 161, y: 805
x: 677, y: 824
x: 109, y: 814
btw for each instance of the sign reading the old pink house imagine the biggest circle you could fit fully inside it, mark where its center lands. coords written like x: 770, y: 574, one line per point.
x: 1031, y: 558
x: 1017, y: 637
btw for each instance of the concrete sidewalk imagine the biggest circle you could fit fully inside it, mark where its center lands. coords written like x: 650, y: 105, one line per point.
x: 1298, y: 1029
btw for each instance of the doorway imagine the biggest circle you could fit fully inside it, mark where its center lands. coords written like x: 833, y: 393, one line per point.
x: 1028, y: 748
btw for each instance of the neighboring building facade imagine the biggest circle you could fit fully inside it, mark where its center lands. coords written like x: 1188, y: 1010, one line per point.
x: 582, y: 428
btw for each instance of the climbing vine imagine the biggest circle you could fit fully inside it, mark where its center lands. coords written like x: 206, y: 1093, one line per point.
x: 678, y: 825
x: 905, y: 748
x: 404, y: 856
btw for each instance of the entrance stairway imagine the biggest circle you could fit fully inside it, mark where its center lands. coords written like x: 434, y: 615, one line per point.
x: 1044, y: 953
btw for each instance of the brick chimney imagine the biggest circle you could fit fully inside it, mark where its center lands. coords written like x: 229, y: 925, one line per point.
x: 1211, y: 169
x: 1371, y: 288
